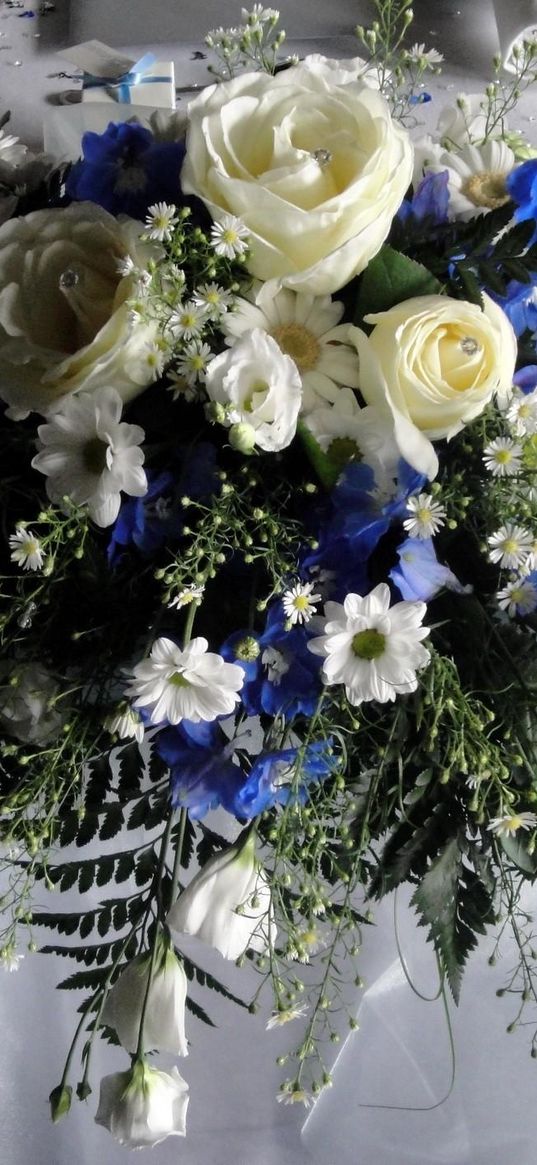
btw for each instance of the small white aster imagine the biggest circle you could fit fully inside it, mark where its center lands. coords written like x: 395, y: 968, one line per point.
x: 294, y: 1096
x: 188, y: 320
x: 190, y: 594
x: 530, y: 562
x: 522, y: 412
x: 280, y: 1017
x: 300, y: 603
x: 419, y: 54
x: 9, y: 959
x: 180, y: 388
x: 427, y: 516
x: 161, y: 219
x: 510, y: 545
x: 126, y: 724
x: 503, y: 457
x: 153, y: 357
x: 125, y: 266
x: 214, y: 299
x: 519, y: 597
x: 194, y: 360
x: 26, y: 549
x: 510, y: 823
x: 229, y: 237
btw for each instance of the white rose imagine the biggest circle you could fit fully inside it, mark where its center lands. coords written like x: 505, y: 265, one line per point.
x: 64, y: 322
x: 259, y: 388
x: 143, y: 1106
x: 435, y: 363
x: 164, y: 1020
x: 314, y: 168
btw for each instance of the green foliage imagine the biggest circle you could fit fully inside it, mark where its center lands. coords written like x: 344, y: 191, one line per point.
x: 390, y: 278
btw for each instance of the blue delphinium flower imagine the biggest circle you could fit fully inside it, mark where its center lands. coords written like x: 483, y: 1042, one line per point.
x: 281, y: 676
x: 420, y: 576
x: 521, y: 185
x: 277, y: 777
x: 520, y: 304
x: 526, y: 378
x: 125, y: 170
x: 430, y: 200
x: 203, y: 774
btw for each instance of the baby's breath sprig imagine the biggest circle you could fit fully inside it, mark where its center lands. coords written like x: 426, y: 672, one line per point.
x: 254, y: 44
x: 502, y: 95
x: 399, y: 69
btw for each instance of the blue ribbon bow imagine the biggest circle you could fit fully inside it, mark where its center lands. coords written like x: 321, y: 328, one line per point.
x: 119, y: 87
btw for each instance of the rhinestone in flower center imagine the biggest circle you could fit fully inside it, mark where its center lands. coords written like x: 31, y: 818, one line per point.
x: 322, y: 156
x: 486, y: 189
x: 299, y: 343
x: 368, y: 644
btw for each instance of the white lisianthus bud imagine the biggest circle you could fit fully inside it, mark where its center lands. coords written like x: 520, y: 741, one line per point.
x: 143, y: 1106
x: 260, y: 388
x: 228, y: 903
x: 164, y: 1021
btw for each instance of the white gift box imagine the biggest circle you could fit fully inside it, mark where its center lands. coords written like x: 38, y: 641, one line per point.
x: 110, y: 77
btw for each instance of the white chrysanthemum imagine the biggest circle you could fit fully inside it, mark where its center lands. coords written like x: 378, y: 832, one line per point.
x: 476, y: 177
x: 188, y: 320
x: 192, y: 683
x: 522, y: 412
x: 161, y: 220
x: 511, y: 822
x: 510, y: 545
x: 503, y: 457
x: 300, y: 603
x: 89, y: 455
x: 427, y: 516
x: 258, y: 387
x: 192, y: 363
x: 126, y: 724
x: 373, y: 649
x: 347, y: 432
x: 26, y: 549
x: 307, y: 329
x: 281, y: 1017
x: 229, y: 237
x: 519, y: 597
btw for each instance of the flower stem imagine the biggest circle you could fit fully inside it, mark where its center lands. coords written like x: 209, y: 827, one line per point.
x: 178, y: 855
x: 156, y: 936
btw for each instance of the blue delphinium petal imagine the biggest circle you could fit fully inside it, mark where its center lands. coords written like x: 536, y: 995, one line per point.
x: 284, y: 679
x: 526, y: 378
x: 521, y: 184
x: 430, y: 200
x: 125, y: 170
x: 202, y: 772
x: 284, y: 775
x: 420, y: 576
x: 520, y: 304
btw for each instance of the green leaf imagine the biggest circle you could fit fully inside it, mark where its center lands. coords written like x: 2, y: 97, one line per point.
x: 328, y: 466
x: 391, y: 278
x: 470, y: 285
x: 515, y: 849
x: 105, y: 870
x: 104, y: 921
x: 99, y: 780
x: 85, y: 980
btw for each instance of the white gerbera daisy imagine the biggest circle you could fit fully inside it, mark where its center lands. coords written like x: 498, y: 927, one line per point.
x: 522, y: 412
x: 511, y: 822
x: 229, y: 237
x: 373, y: 649
x: 188, y: 683
x: 305, y: 328
x: 89, y: 455
x: 161, y: 219
x: 510, y: 545
x: 427, y: 516
x: 503, y: 457
x: 476, y: 177
x: 519, y: 597
x: 26, y: 549
x: 299, y: 603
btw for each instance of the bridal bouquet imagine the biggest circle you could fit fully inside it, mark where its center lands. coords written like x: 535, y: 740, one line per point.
x: 269, y: 518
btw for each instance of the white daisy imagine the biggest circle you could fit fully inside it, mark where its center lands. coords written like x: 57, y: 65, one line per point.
x: 285, y: 1015
x: 215, y: 300
x: 373, y: 649
x: 26, y: 549
x: 519, y: 597
x: 188, y: 320
x: 229, y: 237
x: 89, y: 455
x: 193, y: 361
x: 161, y: 219
x: 190, y: 594
x: 125, y: 723
x: 522, y: 412
x: 476, y: 177
x: 427, y: 518
x: 510, y: 545
x: 305, y: 328
x: 511, y: 822
x: 503, y: 457
x: 192, y: 683
x: 299, y: 603
x: 294, y: 1096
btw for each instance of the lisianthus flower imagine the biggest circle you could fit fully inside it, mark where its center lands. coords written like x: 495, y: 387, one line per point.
x: 164, y: 1017
x: 305, y: 328
x: 143, y: 1106
x: 28, y: 709
x: 89, y: 455
x: 373, y: 649
x: 190, y: 683
x: 258, y: 388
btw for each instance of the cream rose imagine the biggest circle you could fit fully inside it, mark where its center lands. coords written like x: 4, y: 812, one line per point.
x: 315, y: 169
x: 435, y: 363
x: 64, y: 321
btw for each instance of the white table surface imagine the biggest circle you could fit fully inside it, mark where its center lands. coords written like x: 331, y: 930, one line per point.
x: 400, y: 1055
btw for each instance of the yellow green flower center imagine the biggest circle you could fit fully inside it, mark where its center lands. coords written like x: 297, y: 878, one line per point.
x: 94, y: 455
x: 178, y: 680
x: 369, y: 644
x: 342, y: 450
x: 248, y: 649
x: 299, y: 343
x: 486, y: 189
x: 301, y: 603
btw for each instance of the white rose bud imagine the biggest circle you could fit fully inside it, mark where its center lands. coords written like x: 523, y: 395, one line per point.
x: 143, y: 1106
x: 228, y: 903
x: 311, y: 162
x: 164, y: 1021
